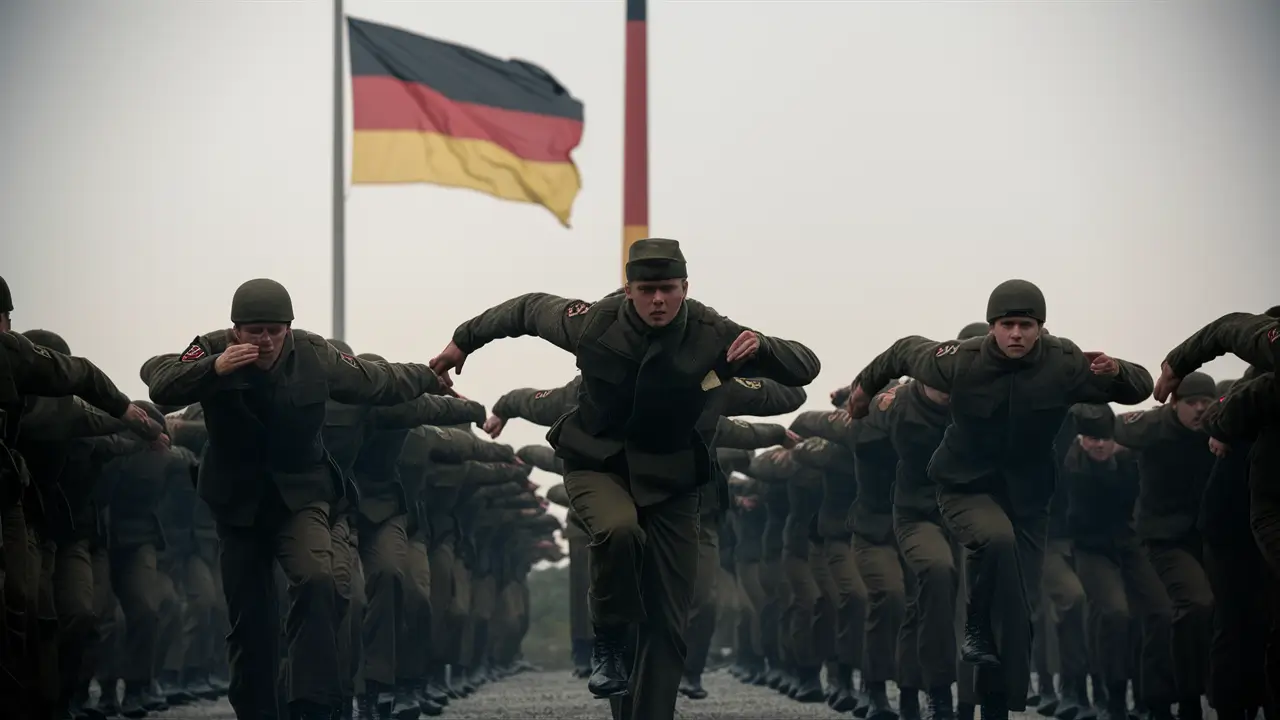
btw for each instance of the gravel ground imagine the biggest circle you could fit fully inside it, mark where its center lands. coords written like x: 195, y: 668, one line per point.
x: 549, y: 695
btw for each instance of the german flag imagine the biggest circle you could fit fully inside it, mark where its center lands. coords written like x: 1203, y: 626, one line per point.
x: 431, y: 112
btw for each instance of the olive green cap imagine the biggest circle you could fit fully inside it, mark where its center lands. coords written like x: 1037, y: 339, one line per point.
x: 261, y: 301
x: 655, y: 259
x: 1273, y: 311
x: 342, y: 347
x: 6, y: 298
x: 1196, y: 384
x: 1095, y: 421
x: 973, y: 330
x: 49, y: 339
x: 1016, y: 298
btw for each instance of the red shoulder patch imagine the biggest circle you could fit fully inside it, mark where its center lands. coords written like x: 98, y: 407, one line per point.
x: 946, y: 349
x: 193, y: 353
x: 577, y: 308
x: 541, y: 394
x: 1132, y: 417
x: 1273, y: 334
x: 349, y: 360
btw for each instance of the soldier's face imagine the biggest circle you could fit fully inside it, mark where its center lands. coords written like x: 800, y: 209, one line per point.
x: 269, y: 337
x: 1016, y: 335
x: 1099, y: 449
x: 1191, y: 410
x: 657, y: 301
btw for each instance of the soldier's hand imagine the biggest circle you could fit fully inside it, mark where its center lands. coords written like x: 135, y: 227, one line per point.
x: 791, y: 441
x: 1219, y: 448
x: 743, y: 348
x: 493, y: 426
x: 859, y: 402
x: 1102, y: 364
x: 235, y: 357
x: 451, y: 358
x: 140, y: 422
x: 1166, y: 384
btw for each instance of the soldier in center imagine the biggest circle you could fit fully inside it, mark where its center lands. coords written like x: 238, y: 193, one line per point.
x: 1009, y: 394
x: 650, y: 359
x: 272, y: 485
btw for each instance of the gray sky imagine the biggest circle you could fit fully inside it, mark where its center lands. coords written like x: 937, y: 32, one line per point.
x: 841, y: 173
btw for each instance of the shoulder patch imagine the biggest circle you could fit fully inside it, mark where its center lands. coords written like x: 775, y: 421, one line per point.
x: 884, y: 400
x: 1273, y: 334
x: 946, y: 349
x: 42, y: 351
x: 577, y: 308
x: 194, y: 352
x: 839, y: 417
x: 439, y: 431
x: 541, y: 394
x: 749, y: 384
x: 1130, y: 418
x: 740, y: 423
x: 349, y: 360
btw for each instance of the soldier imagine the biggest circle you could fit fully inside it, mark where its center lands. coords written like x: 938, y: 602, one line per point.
x: 1101, y: 484
x: 27, y: 369
x: 1009, y: 394
x: 829, y: 449
x: 272, y: 492
x: 1174, y: 462
x: 649, y: 360
x: 918, y: 417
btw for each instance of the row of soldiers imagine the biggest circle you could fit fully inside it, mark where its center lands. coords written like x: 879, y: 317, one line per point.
x: 832, y: 553
x: 117, y: 574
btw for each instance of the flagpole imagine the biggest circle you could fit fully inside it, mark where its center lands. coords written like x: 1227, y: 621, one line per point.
x: 339, y: 180
x: 635, y: 162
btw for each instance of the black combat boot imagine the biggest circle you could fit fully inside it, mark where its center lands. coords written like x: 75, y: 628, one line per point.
x: 170, y: 687
x: 1075, y: 703
x: 979, y: 646
x: 909, y: 703
x: 994, y: 707
x: 1117, y: 704
x: 965, y: 711
x: 1049, y: 700
x: 1189, y: 709
x: 878, y: 707
x: 939, y: 704
x: 304, y: 710
x: 134, y: 703
x: 581, y: 659
x: 809, y: 687
x: 842, y: 700
x: 609, y: 677
x: 691, y: 687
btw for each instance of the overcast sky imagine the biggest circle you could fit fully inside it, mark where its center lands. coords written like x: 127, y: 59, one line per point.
x: 840, y: 173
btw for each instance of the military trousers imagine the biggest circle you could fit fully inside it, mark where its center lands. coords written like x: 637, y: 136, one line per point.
x: 484, y: 600
x: 201, y: 597
x: 850, y: 601
x: 105, y: 655
x: 1004, y: 558
x: 930, y: 629
x: 1242, y: 619
x: 135, y: 578
x: 705, y: 606
x: 825, y: 620
x: 463, y: 633
x: 19, y: 597
x: 881, y: 569
x: 1121, y: 585
x: 579, y: 582
x: 775, y: 633
x: 73, y: 597
x: 444, y: 612
x: 644, y: 565
x: 214, y: 634
x: 729, y: 604
x: 1063, y: 612
x: 415, y: 639
x: 1180, y: 567
x: 799, y: 614
x: 171, y: 648
x: 754, y: 599
x: 348, y: 580
x: 301, y: 544
x: 384, y: 557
